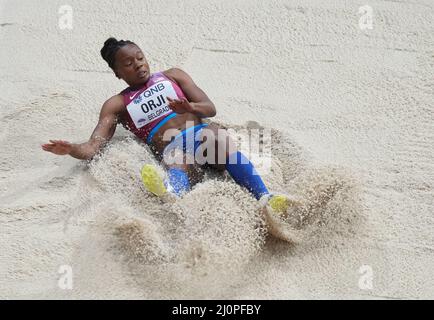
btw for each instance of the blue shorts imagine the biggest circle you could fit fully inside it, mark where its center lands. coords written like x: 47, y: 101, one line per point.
x: 188, y: 140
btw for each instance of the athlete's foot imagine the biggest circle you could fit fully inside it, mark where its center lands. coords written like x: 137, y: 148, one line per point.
x: 152, y: 180
x: 280, y: 204
x: 282, y: 216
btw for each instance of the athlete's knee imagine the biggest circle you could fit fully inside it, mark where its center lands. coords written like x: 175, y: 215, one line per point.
x: 176, y: 157
x: 180, y: 166
x: 218, y: 146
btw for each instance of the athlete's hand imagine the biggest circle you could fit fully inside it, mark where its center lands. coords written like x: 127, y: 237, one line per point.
x: 58, y: 147
x: 180, y: 106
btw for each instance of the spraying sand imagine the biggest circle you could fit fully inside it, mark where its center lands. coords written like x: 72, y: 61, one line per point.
x: 351, y: 118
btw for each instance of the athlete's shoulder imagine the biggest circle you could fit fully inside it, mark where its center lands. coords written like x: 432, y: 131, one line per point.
x: 113, y: 105
x: 177, y: 74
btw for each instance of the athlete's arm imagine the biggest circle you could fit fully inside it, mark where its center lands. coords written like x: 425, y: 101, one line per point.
x: 102, y: 133
x: 197, y: 100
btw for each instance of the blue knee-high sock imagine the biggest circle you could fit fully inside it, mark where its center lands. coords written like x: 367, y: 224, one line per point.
x: 178, y: 180
x: 245, y: 174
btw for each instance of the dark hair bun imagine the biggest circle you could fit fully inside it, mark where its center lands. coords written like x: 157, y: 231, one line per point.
x: 107, y: 50
x: 110, y: 42
x: 111, y: 46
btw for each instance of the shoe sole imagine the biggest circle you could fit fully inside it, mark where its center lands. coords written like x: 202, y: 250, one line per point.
x: 152, y: 180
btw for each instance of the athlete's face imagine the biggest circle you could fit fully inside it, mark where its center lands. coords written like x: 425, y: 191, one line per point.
x: 131, y: 65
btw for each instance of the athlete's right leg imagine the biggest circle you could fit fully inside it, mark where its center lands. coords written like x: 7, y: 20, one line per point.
x: 181, y: 170
x: 182, y: 174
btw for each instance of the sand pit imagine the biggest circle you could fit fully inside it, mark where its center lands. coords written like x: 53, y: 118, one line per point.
x: 350, y: 117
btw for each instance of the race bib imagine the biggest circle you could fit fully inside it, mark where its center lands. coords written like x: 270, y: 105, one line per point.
x: 151, y: 104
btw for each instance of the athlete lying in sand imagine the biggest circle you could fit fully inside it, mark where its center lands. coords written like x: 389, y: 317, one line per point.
x: 160, y: 103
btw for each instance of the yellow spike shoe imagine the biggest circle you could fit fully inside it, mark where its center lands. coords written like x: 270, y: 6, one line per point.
x: 152, y: 180
x: 281, y: 216
x: 280, y: 204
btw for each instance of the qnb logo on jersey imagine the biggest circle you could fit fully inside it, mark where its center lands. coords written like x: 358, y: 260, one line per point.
x: 154, y: 89
x: 138, y: 99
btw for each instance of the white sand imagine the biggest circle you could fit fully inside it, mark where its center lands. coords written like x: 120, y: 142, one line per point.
x: 353, y: 119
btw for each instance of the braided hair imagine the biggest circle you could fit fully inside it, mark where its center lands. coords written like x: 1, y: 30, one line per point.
x: 111, y: 46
